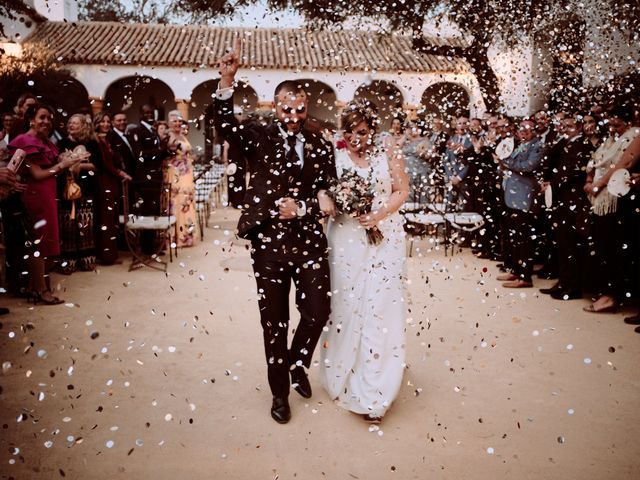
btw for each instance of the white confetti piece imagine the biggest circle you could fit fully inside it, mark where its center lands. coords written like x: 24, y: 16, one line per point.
x: 109, y: 444
x: 168, y: 417
x: 587, y: 361
x: 490, y: 450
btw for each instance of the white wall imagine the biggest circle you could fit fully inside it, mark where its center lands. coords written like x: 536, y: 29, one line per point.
x: 56, y: 10
x: 96, y: 78
x: 513, y: 67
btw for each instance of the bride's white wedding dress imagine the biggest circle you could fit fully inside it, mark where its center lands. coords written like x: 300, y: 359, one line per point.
x: 363, y: 346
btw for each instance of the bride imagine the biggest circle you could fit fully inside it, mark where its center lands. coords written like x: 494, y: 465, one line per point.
x: 363, y: 354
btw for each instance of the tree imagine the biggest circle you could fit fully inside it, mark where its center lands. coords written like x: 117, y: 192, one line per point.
x: 482, y: 22
x: 11, y: 9
x: 142, y: 11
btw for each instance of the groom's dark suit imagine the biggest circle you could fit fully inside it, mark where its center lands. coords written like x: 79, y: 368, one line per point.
x: 284, y: 250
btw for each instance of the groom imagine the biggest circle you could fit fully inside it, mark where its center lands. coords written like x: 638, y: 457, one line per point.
x: 289, y: 166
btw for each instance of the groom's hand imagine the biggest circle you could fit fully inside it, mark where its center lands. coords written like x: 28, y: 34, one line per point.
x: 287, y: 208
x: 229, y: 63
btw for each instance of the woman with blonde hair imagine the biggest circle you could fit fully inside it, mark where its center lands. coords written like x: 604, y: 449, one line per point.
x: 180, y: 179
x: 76, y: 216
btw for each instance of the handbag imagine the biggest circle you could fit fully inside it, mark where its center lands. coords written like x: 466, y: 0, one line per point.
x: 72, y: 192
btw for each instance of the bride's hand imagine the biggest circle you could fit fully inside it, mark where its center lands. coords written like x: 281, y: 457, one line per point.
x: 371, y: 219
x: 327, y: 207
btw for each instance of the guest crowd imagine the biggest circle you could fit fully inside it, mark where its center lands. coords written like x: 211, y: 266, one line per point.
x: 548, y: 188
x: 61, y: 209
x: 558, y: 189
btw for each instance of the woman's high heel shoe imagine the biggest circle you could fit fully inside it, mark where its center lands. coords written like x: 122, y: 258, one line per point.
x: 592, y: 309
x: 36, y: 298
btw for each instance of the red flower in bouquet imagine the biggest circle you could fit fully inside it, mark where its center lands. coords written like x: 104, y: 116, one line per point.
x: 353, y: 195
x: 341, y: 144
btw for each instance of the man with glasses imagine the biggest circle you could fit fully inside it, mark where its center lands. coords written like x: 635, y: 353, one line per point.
x: 290, y: 166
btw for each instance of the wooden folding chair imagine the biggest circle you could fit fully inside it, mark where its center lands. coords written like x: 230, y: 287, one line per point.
x: 134, y: 225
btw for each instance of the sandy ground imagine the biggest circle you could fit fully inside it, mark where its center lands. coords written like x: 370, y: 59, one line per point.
x: 500, y: 384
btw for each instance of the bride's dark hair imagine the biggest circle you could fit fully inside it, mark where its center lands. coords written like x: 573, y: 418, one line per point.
x: 356, y: 112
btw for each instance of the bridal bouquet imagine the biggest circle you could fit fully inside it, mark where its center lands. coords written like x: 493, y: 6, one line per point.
x: 353, y: 195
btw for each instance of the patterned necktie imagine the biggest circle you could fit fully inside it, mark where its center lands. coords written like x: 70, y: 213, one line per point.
x: 294, y: 162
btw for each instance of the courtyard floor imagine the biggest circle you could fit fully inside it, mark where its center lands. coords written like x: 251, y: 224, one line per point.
x: 147, y: 375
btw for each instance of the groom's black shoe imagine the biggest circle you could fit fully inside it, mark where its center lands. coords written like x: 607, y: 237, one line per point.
x: 300, y: 382
x: 280, y: 410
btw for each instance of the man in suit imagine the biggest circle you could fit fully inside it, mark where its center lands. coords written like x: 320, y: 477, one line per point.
x: 520, y: 188
x: 149, y: 154
x: 568, y: 176
x: 289, y: 168
x: 120, y: 143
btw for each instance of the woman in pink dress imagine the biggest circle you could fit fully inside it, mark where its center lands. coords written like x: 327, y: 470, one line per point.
x: 180, y: 179
x: 39, y: 171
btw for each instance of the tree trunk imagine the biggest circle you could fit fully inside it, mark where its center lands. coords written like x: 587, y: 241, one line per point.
x: 476, y: 56
x: 478, y: 60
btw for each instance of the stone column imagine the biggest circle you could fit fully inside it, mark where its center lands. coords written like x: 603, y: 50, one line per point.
x: 183, y: 107
x: 97, y: 104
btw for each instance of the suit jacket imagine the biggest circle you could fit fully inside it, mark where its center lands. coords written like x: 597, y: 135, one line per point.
x: 149, y: 155
x: 569, y: 174
x: 122, y: 151
x: 520, y: 184
x: 456, y: 164
x: 264, y: 149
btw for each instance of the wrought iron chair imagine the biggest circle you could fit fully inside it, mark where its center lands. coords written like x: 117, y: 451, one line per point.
x: 135, y: 225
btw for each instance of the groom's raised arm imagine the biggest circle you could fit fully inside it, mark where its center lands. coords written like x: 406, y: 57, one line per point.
x: 224, y: 121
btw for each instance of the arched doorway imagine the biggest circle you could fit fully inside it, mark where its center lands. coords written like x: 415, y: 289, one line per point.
x: 202, y: 133
x: 385, y: 96
x: 58, y: 89
x: 446, y: 100
x: 130, y: 93
x: 321, y: 103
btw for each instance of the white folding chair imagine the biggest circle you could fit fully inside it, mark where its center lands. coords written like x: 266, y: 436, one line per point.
x: 464, y: 222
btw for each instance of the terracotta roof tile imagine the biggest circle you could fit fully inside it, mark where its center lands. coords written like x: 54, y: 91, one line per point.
x: 200, y: 46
